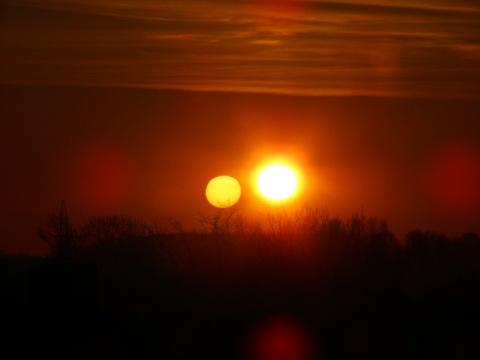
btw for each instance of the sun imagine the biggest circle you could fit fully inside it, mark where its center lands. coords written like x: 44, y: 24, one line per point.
x: 277, y: 182
x: 223, y: 191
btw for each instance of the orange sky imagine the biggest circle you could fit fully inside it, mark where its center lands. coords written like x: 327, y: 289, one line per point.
x: 132, y: 106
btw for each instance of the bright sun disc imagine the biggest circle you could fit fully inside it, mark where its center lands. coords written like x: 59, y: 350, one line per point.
x: 223, y: 191
x: 277, y: 182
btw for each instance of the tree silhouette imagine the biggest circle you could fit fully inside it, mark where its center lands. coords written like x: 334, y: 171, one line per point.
x: 220, y: 223
x: 357, y: 286
x: 113, y: 230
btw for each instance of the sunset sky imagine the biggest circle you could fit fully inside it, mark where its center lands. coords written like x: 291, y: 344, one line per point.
x: 131, y: 107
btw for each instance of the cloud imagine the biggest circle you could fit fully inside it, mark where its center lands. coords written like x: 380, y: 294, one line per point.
x: 359, y: 47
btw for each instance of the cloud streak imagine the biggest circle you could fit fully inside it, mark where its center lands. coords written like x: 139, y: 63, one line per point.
x: 314, y: 48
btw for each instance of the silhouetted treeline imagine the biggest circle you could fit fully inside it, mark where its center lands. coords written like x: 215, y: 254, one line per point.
x: 131, y: 290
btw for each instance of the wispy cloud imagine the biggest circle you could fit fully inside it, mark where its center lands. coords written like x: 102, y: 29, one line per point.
x: 389, y: 48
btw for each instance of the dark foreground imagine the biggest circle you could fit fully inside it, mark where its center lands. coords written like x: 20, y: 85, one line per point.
x: 188, y: 296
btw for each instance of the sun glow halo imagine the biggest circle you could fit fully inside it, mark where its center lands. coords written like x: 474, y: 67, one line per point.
x: 277, y: 182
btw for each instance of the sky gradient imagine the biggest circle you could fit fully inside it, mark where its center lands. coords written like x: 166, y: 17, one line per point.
x: 131, y: 107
